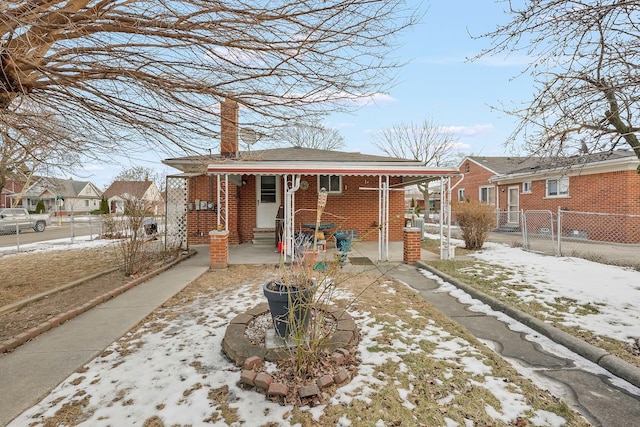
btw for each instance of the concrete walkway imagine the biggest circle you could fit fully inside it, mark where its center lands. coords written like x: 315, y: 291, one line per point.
x: 600, y: 402
x: 30, y: 372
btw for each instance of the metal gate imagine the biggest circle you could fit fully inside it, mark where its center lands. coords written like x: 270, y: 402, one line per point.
x: 176, y: 224
x: 538, y: 232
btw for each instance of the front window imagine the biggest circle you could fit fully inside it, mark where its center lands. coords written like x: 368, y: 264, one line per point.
x: 558, y: 187
x: 461, y: 194
x: 488, y: 195
x: 331, y: 183
x: 526, y: 187
x: 86, y: 203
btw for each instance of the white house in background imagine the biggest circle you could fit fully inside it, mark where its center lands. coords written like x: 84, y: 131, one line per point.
x: 62, y: 196
x: 120, y: 193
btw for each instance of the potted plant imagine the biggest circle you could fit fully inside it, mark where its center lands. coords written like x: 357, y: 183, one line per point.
x: 289, y: 301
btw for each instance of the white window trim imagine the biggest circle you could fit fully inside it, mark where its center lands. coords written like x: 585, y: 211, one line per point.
x: 461, y: 194
x: 487, y: 187
x: 525, y: 190
x: 560, y: 181
x: 328, y: 190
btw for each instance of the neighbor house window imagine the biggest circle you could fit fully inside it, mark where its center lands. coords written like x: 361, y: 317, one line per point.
x: 467, y: 168
x: 488, y: 195
x: 558, y: 187
x: 526, y: 187
x: 86, y: 203
x: 331, y: 183
x: 461, y: 194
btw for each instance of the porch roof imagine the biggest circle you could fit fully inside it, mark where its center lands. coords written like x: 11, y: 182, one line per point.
x: 410, y: 170
x: 308, y: 161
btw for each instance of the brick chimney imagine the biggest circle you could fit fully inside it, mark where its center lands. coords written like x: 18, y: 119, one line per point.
x: 229, y: 128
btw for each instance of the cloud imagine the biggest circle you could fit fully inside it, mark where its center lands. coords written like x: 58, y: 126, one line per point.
x: 467, y: 131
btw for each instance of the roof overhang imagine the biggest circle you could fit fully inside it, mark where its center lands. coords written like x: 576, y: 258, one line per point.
x: 605, y: 166
x: 411, y: 170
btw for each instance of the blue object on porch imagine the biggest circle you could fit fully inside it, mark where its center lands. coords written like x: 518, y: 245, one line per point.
x: 343, y: 240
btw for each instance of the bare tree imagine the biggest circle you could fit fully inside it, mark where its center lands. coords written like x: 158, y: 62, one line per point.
x: 35, y: 140
x: 313, y: 135
x: 426, y: 142
x: 151, y: 73
x: 141, y: 173
x: 584, y: 58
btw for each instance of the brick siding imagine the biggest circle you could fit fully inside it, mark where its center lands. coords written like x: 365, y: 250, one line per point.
x: 359, y: 208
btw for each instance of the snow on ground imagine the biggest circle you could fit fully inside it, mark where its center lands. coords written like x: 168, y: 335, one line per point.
x: 62, y: 244
x: 172, y: 367
x: 610, y: 294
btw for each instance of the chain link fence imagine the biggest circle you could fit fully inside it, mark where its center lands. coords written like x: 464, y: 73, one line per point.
x: 608, y: 237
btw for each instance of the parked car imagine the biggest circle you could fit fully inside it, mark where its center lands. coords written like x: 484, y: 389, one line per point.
x: 10, y: 218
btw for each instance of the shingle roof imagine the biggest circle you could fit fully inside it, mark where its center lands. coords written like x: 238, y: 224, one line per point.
x: 574, y: 161
x: 518, y: 165
x: 302, y: 154
x: 133, y: 188
x: 503, y: 165
x: 57, y: 186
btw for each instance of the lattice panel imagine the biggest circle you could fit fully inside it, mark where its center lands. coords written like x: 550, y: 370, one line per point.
x: 176, y: 224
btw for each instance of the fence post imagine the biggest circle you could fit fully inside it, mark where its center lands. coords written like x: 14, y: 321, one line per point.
x: 523, y: 221
x: 559, y: 233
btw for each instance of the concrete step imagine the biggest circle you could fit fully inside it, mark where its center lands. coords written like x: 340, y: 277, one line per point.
x: 264, y: 237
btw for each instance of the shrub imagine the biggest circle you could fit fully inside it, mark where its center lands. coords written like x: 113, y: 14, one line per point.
x: 104, y: 206
x: 475, y: 220
x: 40, y: 207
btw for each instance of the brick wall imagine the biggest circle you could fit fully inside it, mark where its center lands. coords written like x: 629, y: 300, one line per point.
x: 358, y: 208
x: 201, y: 222
x: 611, y: 192
x: 476, y: 177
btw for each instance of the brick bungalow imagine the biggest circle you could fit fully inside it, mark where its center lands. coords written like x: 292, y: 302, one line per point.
x: 605, y: 182
x: 243, y: 193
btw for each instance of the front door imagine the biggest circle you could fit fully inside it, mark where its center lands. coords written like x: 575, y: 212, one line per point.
x: 268, y: 200
x: 513, y: 205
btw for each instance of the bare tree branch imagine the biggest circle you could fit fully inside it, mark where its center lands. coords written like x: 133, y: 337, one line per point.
x: 313, y: 135
x: 584, y: 62
x: 155, y: 70
x: 426, y: 142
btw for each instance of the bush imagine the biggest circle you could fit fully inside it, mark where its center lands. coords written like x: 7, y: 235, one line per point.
x: 40, y: 207
x: 475, y: 220
x: 104, y: 206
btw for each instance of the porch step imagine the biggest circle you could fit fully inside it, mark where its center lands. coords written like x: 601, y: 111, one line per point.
x: 264, y: 237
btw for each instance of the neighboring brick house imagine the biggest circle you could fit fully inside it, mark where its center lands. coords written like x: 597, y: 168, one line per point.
x: 592, y: 183
x: 120, y: 193
x: 263, y: 184
x: 11, y: 188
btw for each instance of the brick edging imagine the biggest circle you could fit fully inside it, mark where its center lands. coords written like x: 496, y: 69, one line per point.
x: 21, y: 338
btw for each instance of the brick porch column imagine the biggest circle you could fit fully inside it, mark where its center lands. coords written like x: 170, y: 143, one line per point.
x: 219, y: 249
x: 411, y: 244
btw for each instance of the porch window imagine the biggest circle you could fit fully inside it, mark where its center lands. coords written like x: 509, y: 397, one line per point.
x: 526, y: 187
x: 488, y: 195
x: 461, y: 194
x: 331, y: 183
x: 558, y: 187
